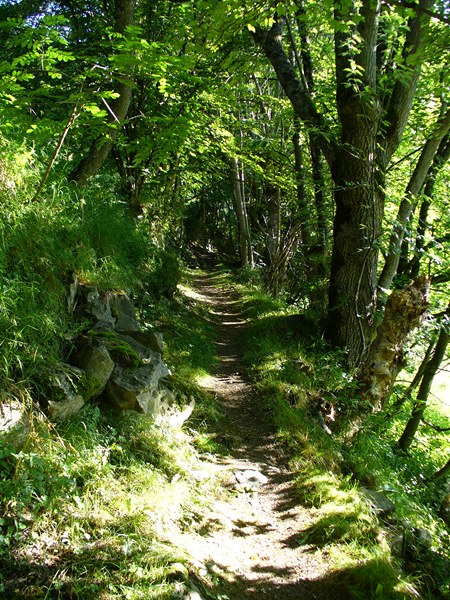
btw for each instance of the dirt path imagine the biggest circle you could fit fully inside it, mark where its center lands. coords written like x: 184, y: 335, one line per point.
x: 249, y: 537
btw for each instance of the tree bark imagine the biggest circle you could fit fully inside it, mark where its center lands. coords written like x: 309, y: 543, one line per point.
x: 117, y: 109
x: 314, y: 150
x: 397, y: 104
x: 359, y: 200
x: 431, y: 368
x: 273, y: 236
x: 300, y: 98
x: 369, y: 134
x: 245, y: 250
x: 445, y: 470
x: 441, y: 157
x: 404, y: 311
x: 303, y: 212
x: 319, y: 197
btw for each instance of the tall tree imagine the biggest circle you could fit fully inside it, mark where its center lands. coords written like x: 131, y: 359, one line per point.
x: 409, y: 201
x: 372, y: 113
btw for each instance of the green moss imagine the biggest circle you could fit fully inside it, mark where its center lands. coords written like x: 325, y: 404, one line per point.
x: 119, y: 348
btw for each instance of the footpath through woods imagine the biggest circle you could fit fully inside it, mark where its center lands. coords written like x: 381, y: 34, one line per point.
x: 248, y: 538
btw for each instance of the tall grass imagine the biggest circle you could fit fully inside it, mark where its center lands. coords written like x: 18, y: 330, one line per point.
x: 83, y: 505
x: 41, y: 244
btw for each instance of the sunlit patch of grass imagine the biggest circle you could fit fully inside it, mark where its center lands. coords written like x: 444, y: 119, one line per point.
x: 188, y: 333
x: 367, y: 572
x: 203, y: 379
x: 341, y: 521
x: 101, y: 494
x: 316, y: 488
x: 207, y: 443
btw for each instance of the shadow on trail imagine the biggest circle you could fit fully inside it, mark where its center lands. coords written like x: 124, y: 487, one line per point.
x: 249, y: 434
x: 345, y: 584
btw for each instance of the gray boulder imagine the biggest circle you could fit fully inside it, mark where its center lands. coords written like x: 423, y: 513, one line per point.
x: 139, y: 388
x: 111, y: 309
x: 250, y: 479
x: 378, y: 502
x: 150, y: 339
x: 14, y: 422
x: 119, y: 360
x: 422, y: 539
x: 95, y: 306
x: 66, y: 401
x: 72, y: 292
x: 95, y: 360
x: 136, y: 348
x: 122, y: 310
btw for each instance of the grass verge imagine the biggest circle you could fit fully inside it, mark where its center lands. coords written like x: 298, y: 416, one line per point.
x: 308, y: 393
x: 86, y: 505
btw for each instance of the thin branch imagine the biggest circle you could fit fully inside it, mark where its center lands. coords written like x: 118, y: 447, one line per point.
x: 440, y: 278
x: 73, y: 115
x: 435, y: 427
x: 400, y: 160
x: 426, y: 11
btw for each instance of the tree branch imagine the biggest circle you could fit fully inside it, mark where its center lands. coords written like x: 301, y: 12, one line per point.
x: 441, y: 278
x: 433, y: 14
x: 435, y: 427
x: 302, y: 103
x: 400, y: 101
x: 408, y: 203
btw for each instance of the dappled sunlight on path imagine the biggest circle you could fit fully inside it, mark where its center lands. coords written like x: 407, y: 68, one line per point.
x: 248, y: 542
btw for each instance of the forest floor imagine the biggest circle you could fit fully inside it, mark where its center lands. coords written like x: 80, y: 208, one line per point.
x: 248, y: 538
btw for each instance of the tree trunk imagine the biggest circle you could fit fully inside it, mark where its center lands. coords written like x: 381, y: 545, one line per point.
x: 359, y: 202
x: 431, y: 368
x: 408, y: 203
x: 417, y: 377
x: 442, y: 472
x: 241, y: 213
x: 319, y: 197
x: 314, y: 150
x: 357, y: 228
x: 117, y: 109
x: 302, y: 214
x: 404, y: 311
x: 441, y: 157
x: 273, y: 196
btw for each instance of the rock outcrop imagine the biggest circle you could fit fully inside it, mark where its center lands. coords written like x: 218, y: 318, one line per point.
x: 380, y: 504
x: 115, y: 359
x: 66, y: 399
x: 14, y: 421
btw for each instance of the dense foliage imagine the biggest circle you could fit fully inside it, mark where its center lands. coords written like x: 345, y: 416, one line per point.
x: 306, y: 142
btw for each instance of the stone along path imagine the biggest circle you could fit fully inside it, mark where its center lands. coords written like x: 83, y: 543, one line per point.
x: 248, y: 539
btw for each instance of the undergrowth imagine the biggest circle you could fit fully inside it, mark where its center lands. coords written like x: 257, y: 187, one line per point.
x: 313, y: 399
x: 84, y: 504
x: 82, y: 508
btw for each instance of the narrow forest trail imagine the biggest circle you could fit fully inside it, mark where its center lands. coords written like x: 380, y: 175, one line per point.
x: 248, y: 538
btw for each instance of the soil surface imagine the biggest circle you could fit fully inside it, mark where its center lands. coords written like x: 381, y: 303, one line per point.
x: 249, y: 538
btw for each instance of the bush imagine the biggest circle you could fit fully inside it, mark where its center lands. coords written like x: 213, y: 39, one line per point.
x: 164, y: 273
x: 43, y: 244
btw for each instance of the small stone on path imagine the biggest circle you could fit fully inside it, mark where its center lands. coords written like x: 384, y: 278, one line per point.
x: 250, y: 478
